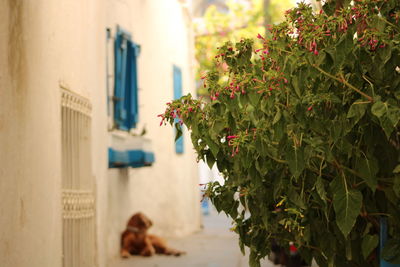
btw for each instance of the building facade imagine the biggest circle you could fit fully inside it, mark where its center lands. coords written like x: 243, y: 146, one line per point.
x: 74, y: 163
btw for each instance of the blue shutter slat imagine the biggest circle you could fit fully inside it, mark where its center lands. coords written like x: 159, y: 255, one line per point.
x: 132, y: 85
x: 177, y: 77
x: 120, y: 50
x: 124, y: 52
x: 126, y: 84
x: 136, y: 87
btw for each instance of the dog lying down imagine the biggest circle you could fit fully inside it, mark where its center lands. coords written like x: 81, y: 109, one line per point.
x: 136, y: 241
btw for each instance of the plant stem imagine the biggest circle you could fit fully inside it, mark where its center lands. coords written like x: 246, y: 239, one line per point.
x: 277, y: 160
x: 388, y: 22
x: 343, y: 80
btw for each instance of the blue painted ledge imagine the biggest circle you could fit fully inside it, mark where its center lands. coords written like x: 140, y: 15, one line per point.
x: 129, y: 158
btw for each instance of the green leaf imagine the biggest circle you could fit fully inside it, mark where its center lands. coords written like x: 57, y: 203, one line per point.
x: 213, y: 146
x: 378, y: 109
x: 253, y: 259
x: 391, y: 251
x: 343, y: 48
x: 278, y: 186
x: 218, y: 126
x: 329, y: 8
x: 178, y: 133
x: 368, y: 168
x: 296, y: 85
x: 254, y: 98
x: 397, y: 169
x: 320, y: 188
x: 215, y: 129
x: 295, y: 198
x: 347, y: 205
x: 357, y: 111
x: 388, y: 113
x: 369, y: 243
x: 385, y: 53
x: 277, y: 117
x: 210, y: 160
x: 295, y: 158
x: 396, y: 185
x: 261, y: 167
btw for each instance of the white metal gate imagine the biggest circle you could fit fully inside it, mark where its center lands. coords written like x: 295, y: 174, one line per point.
x: 78, y: 196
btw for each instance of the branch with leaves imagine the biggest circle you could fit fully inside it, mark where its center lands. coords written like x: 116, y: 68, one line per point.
x: 304, y: 126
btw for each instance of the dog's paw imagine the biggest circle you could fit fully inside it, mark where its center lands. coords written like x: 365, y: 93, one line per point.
x: 148, y: 252
x: 177, y: 253
x: 125, y: 254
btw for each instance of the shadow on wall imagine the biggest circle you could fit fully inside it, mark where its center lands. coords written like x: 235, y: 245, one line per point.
x: 119, y: 206
x: 16, y: 55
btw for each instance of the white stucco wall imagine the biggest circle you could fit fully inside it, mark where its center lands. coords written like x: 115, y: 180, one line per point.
x: 47, y: 43
x: 168, y: 191
x: 30, y: 206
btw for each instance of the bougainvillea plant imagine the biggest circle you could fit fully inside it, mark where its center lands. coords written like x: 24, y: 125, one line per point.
x: 304, y: 126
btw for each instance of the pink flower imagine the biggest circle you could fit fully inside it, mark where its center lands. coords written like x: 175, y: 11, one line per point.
x: 259, y: 36
x: 231, y: 137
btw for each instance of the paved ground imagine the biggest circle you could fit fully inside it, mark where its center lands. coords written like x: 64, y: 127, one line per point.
x: 215, y: 246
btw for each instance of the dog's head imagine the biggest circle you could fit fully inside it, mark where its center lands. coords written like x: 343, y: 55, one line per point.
x: 140, y: 221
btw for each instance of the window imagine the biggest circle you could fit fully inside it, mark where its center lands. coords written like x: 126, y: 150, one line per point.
x: 125, y: 81
x: 177, y: 94
x: 125, y: 150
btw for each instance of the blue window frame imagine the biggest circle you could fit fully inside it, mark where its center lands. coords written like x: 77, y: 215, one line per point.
x: 177, y: 94
x: 125, y: 81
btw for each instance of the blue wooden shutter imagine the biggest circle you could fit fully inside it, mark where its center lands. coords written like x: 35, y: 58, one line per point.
x: 126, y: 82
x: 131, y: 101
x: 120, y: 50
x: 177, y: 94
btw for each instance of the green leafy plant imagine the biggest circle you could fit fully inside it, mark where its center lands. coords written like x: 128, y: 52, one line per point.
x: 304, y: 126
x: 244, y: 20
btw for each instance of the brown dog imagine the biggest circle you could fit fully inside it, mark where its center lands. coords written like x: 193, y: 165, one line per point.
x: 136, y: 241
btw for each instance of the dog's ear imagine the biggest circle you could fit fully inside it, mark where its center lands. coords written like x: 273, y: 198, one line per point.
x: 140, y: 221
x: 146, y: 222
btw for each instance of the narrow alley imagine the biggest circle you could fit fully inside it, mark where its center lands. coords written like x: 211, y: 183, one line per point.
x: 214, y: 246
